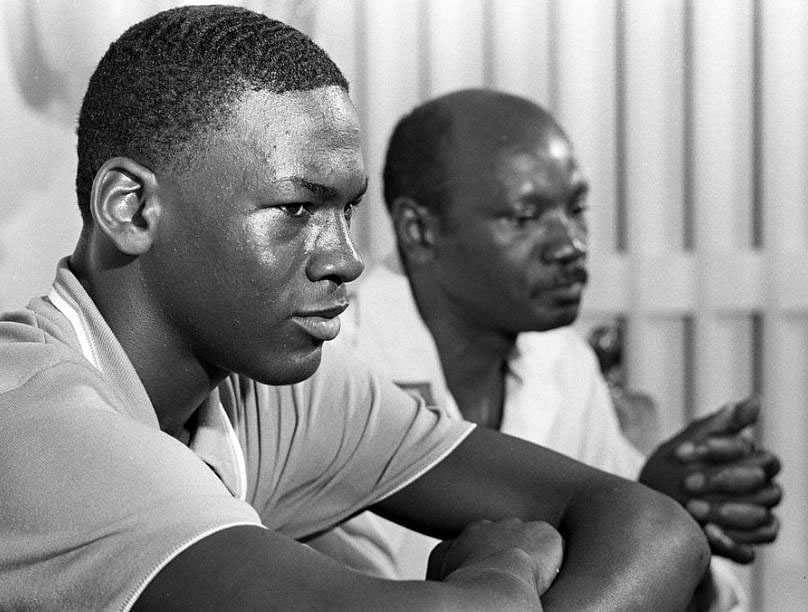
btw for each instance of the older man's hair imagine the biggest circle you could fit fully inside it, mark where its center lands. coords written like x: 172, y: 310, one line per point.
x: 174, y: 76
x: 414, y: 165
x: 424, y: 142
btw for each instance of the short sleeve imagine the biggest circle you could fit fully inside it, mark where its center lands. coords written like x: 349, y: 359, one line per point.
x: 92, y: 503
x: 336, y: 443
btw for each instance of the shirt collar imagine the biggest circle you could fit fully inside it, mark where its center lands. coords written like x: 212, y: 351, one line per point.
x: 214, y: 440
x: 531, y: 401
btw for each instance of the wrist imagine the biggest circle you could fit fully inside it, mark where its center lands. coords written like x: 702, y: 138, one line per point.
x: 508, y: 578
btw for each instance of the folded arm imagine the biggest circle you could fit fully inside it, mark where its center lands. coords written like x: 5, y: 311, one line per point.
x: 251, y: 568
x: 626, y: 547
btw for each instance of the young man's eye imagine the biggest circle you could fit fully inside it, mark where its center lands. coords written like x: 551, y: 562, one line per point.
x: 350, y: 209
x: 295, y: 210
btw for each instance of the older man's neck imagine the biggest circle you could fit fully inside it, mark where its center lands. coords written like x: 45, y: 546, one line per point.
x: 474, y: 361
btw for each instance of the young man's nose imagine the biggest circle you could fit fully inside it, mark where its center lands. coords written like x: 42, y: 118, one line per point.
x: 335, y: 256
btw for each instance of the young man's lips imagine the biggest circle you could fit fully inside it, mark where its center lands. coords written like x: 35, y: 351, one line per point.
x: 321, y: 328
x: 322, y: 324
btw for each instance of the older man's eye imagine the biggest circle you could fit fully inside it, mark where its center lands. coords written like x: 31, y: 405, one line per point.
x: 579, y: 206
x: 522, y: 218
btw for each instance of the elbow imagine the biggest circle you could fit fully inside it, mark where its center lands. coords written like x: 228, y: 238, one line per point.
x: 669, y: 556
x: 683, y: 544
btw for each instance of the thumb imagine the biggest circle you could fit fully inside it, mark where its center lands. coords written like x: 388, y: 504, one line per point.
x: 550, y: 565
x: 437, y: 559
x: 732, y: 418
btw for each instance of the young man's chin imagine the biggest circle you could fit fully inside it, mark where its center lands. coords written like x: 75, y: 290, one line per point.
x: 293, y: 368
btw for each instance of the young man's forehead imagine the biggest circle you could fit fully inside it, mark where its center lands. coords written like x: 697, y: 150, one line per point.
x: 325, y: 108
x: 313, y: 135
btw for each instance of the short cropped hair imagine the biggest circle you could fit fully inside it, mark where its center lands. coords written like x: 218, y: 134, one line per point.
x: 424, y: 141
x: 175, y: 75
x: 414, y: 165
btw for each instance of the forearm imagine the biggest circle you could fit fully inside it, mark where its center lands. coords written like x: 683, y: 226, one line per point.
x: 465, y: 590
x: 248, y: 568
x: 472, y: 591
x: 627, y: 547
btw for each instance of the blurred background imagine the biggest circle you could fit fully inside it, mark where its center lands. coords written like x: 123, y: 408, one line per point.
x: 689, y: 116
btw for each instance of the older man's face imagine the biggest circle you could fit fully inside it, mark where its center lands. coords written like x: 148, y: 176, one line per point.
x: 512, y: 257
x: 253, y: 248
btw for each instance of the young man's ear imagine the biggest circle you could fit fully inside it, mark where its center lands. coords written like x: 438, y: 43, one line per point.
x: 124, y: 205
x: 416, y: 228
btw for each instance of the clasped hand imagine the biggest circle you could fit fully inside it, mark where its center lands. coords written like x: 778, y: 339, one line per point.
x: 522, y: 556
x: 716, y: 471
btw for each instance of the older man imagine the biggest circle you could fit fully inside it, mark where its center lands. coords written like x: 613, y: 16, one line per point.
x: 488, y: 202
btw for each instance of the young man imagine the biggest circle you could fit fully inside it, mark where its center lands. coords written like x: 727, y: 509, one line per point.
x: 146, y: 462
x: 488, y: 204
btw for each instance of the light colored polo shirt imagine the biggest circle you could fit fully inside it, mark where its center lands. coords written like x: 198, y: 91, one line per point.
x: 95, y: 499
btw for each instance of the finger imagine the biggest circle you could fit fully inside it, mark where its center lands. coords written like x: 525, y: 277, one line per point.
x: 768, y: 461
x: 729, y: 515
x: 765, y: 534
x: 732, y: 418
x: 546, y: 547
x: 546, y: 577
x: 435, y: 565
x: 715, y: 449
x: 721, y: 544
x: 734, y: 479
x: 767, y: 497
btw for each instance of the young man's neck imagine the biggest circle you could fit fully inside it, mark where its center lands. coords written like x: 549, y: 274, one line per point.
x: 176, y: 382
x: 473, y: 357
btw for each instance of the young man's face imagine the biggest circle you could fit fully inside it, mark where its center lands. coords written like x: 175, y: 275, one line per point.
x: 253, y: 245
x: 512, y: 255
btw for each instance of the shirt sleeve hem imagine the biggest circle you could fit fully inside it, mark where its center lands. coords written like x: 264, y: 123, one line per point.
x: 138, y: 591
x: 424, y: 469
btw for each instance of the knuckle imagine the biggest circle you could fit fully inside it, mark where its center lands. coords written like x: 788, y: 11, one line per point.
x: 744, y: 554
x: 475, y: 526
x: 743, y: 515
x: 772, y: 465
x: 776, y: 495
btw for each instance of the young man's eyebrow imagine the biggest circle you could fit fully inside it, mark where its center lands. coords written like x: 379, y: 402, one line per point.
x: 362, y: 189
x: 323, y: 192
